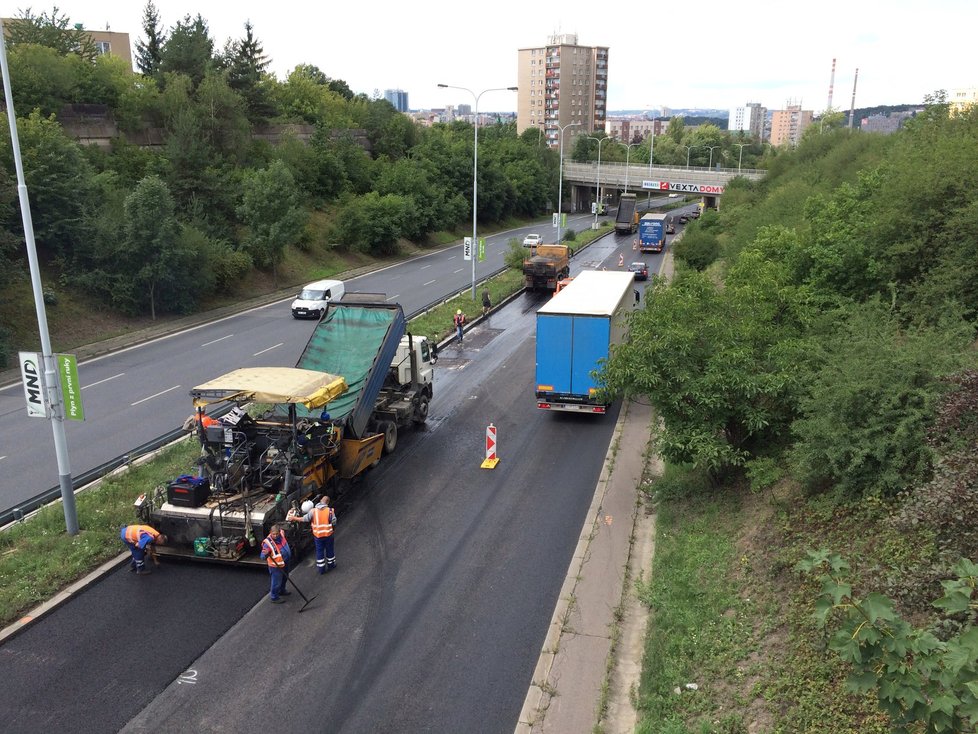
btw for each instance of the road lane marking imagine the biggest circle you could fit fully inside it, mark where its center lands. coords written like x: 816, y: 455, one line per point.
x: 215, y: 341
x: 164, y: 392
x: 424, y: 266
x: 430, y: 282
x: 268, y: 350
x: 84, y: 387
x: 2, y: 458
x: 458, y: 271
x: 393, y: 297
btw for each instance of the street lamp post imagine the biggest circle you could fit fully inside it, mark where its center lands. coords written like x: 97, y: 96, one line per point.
x: 689, y: 148
x: 740, y: 157
x: 560, y: 185
x: 712, y: 148
x: 597, y: 188
x: 628, y: 150
x: 475, y: 169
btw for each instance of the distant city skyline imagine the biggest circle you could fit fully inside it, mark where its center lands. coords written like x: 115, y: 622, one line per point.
x: 711, y: 55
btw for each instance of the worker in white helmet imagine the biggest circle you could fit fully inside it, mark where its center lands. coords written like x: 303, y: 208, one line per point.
x: 323, y: 519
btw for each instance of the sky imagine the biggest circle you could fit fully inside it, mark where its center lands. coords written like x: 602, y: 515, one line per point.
x: 709, y: 54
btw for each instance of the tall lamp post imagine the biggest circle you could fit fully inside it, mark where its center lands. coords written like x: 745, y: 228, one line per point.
x: 740, y: 157
x: 475, y: 169
x: 597, y: 188
x: 628, y: 150
x: 689, y: 148
x: 712, y: 148
x: 560, y: 185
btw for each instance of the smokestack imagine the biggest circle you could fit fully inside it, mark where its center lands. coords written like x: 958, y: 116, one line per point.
x: 852, y: 108
x: 828, y: 107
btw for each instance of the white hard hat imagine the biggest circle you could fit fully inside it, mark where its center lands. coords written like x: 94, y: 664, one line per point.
x: 307, y: 505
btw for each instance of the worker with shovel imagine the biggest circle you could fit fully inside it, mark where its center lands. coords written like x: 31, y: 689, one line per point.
x: 276, y: 552
x: 140, y: 539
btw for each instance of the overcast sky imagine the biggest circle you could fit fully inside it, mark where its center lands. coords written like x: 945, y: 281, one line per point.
x: 707, y: 54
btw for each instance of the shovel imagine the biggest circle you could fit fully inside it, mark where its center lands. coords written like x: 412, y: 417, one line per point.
x: 308, y: 601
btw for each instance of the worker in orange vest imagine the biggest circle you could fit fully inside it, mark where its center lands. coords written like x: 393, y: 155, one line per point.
x: 139, y: 539
x: 323, y: 520
x: 277, y: 554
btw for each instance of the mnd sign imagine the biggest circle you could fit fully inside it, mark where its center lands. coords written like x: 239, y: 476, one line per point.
x: 31, y: 372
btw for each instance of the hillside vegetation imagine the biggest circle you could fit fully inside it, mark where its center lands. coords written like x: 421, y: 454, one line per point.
x: 813, y: 364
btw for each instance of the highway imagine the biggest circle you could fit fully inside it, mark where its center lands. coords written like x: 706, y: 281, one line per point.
x: 433, y: 621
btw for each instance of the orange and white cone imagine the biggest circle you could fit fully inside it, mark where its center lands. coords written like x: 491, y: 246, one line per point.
x: 621, y: 260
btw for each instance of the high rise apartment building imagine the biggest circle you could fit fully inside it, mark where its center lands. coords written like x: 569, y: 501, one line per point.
x: 562, y: 83
x: 398, y: 98
x: 788, y: 124
x: 748, y: 119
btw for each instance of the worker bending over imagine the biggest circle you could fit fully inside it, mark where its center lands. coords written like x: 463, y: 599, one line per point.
x: 139, y: 539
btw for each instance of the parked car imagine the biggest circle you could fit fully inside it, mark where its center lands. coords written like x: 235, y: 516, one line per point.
x: 695, y: 214
x: 532, y: 240
x: 670, y: 227
x: 641, y: 270
x: 312, y: 299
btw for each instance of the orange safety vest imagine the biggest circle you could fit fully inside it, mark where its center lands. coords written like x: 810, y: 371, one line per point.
x: 206, y: 421
x: 322, y: 522
x: 274, y: 553
x: 133, y: 532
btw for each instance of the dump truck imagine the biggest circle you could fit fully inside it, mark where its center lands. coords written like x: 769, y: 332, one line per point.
x: 293, y: 433
x: 546, y: 266
x: 626, y: 221
x: 576, y: 331
x: 652, y: 232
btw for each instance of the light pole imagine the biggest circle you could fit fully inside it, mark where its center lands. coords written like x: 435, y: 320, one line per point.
x: 597, y: 188
x: 560, y: 185
x: 651, y: 156
x: 740, y: 157
x: 628, y: 150
x: 688, y: 149
x: 712, y: 148
x: 475, y: 169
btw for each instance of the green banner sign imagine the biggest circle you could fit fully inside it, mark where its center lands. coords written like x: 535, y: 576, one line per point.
x: 482, y: 249
x: 70, y: 389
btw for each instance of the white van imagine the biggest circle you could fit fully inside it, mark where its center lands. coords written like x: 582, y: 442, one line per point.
x: 312, y: 299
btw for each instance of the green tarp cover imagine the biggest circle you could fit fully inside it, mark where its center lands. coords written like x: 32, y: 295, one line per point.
x: 346, y: 342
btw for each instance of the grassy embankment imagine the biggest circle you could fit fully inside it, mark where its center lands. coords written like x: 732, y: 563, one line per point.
x: 37, y: 558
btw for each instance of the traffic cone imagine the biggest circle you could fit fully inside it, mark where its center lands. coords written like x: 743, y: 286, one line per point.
x: 621, y: 259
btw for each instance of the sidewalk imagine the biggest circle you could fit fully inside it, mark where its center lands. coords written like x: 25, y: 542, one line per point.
x: 591, y: 660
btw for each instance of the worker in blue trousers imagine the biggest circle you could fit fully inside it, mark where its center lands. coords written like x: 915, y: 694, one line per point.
x: 323, y: 520
x: 139, y: 539
x: 277, y: 554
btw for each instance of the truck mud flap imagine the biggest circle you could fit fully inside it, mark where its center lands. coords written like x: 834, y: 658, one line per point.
x: 357, y: 455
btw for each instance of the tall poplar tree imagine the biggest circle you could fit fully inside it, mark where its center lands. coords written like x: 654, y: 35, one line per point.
x: 149, y: 54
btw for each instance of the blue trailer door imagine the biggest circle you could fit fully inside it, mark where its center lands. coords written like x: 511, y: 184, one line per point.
x: 590, y: 343
x: 553, y: 344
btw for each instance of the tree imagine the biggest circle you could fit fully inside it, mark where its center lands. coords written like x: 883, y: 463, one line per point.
x: 149, y: 53
x: 372, y: 223
x: 188, y: 50
x: 246, y: 63
x: 53, y: 31
x: 270, y: 208
x: 150, y: 259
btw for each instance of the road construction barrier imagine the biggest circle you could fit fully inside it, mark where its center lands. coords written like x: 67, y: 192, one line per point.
x: 491, y: 458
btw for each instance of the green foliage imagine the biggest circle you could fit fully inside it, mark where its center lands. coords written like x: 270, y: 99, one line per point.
x: 188, y: 50
x: 270, y: 208
x: 373, y: 223
x: 246, y: 64
x: 515, y: 253
x: 698, y: 248
x: 871, y: 393
x: 53, y: 31
x: 149, y: 53
x: 918, y: 678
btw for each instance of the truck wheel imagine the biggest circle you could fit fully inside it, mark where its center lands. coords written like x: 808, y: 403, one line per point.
x: 421, y: 412
x: 390, y: 436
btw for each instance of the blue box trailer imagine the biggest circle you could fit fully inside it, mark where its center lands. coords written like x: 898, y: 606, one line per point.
x: 652, y: 232
x: 576, y: 331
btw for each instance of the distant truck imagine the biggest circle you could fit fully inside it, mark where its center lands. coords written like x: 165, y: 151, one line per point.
x: 576, y: 332
x: 652, y: 232
x: 546, y: 266
x: 627, y: 220
x: 310, y: 430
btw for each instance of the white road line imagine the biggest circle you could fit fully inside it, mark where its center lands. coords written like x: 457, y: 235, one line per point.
x: 170, y: 389
x: 268, y: 350
x: 215, y: 341
x: 2, y: 458
x: 393, y: 297
x: 458, y: 271
x: 430, y: 282
x: 85, y: 387
x: 423, y: 267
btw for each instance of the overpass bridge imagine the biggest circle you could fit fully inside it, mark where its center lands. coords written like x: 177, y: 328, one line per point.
x: 696, y: 181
